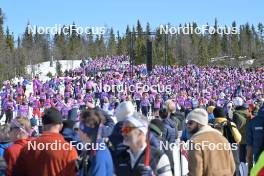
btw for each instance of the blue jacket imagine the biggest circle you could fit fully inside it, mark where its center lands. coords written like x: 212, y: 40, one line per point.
x: 185, y: 135
x: 71, y: 136
x: 255, y: 133
x: 171, y: 131
x: 3, y: 146
x: 101, y: 163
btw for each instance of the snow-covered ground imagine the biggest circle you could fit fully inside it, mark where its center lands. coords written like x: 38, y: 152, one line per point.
x: 42, y: 69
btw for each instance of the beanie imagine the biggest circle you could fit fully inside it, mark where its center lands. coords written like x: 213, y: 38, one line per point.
x: 198, y: 115
x: 219, y: 112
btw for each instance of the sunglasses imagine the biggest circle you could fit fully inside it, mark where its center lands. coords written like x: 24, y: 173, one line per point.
x: 126, y: 130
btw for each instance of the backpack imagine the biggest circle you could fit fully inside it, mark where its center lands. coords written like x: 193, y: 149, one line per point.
x: 228, y: 132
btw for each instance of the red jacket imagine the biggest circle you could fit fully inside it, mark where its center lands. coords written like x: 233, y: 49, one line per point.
x: 12, y: 153
x: 48, y: 155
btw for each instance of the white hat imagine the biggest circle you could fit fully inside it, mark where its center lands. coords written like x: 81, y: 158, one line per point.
x: 198, y: 115
x: 124, y: 110
x: 138, y: 122
x: 238, y: 101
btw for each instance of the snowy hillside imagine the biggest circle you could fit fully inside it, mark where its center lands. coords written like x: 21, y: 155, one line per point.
x: 42, y: 69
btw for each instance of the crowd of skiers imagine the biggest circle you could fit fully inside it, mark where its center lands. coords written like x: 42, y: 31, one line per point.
x: 104, y: 119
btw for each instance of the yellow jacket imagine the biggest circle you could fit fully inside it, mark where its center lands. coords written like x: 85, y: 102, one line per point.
x: 235, y: 132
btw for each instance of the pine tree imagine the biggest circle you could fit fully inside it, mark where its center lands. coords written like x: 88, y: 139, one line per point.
x: 90, y: 43
x: 120, y: 45
x: 148, y: 30
x: 260, y: 33
x: 60, y: 45
x: 158, y: 48
x: 215, y: 45
x: 195, y: 43
x: 234, y: 42
x: 111, y: 43
x: 1, y: 25
x: 140, y: 51
x: 203, y: 54
x: 224, y: 43
x: 74, y: 44
x: 9, y: 40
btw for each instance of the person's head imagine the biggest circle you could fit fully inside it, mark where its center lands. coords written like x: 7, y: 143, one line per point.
x: 196, y: 119
x: 238, y: 101
x: 219, y: 112
x: 20, y: 128
x: 124, y: 110
x: 89, y: 124
x: 5, y: 133
x: 134, y: 131
x: 163, y: 113
x: 171, y: 106
x: 68, y: 124
x: 90, y: 105
x: 24, y: 101
x: 52, y: 120
x: 10, y: 98
x: 210, y: 109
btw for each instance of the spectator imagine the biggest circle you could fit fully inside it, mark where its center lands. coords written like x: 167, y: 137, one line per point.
x: 170, y: 126
x: 20, y: 135
x: 229, y: 131
x: 57, y: 160
x: 132, y: 161
x: 4, y: 138
x: 97, y: 160
x: 255, y: 135
x: 240, y: 117
x: 202, y: 160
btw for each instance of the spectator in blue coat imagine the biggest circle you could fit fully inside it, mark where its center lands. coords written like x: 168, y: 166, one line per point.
x: 255, y: 135
x: 4, y: 138
x: 170, y: 126
x: 97, y: 160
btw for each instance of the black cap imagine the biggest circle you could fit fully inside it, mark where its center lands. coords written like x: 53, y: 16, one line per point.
x: 52, y: 116
x: 219, y: 112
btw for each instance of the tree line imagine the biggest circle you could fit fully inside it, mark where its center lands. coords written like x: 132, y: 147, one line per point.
x: 32, y: 47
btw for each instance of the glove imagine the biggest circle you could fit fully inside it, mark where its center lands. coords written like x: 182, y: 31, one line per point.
x: 145, y: 170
